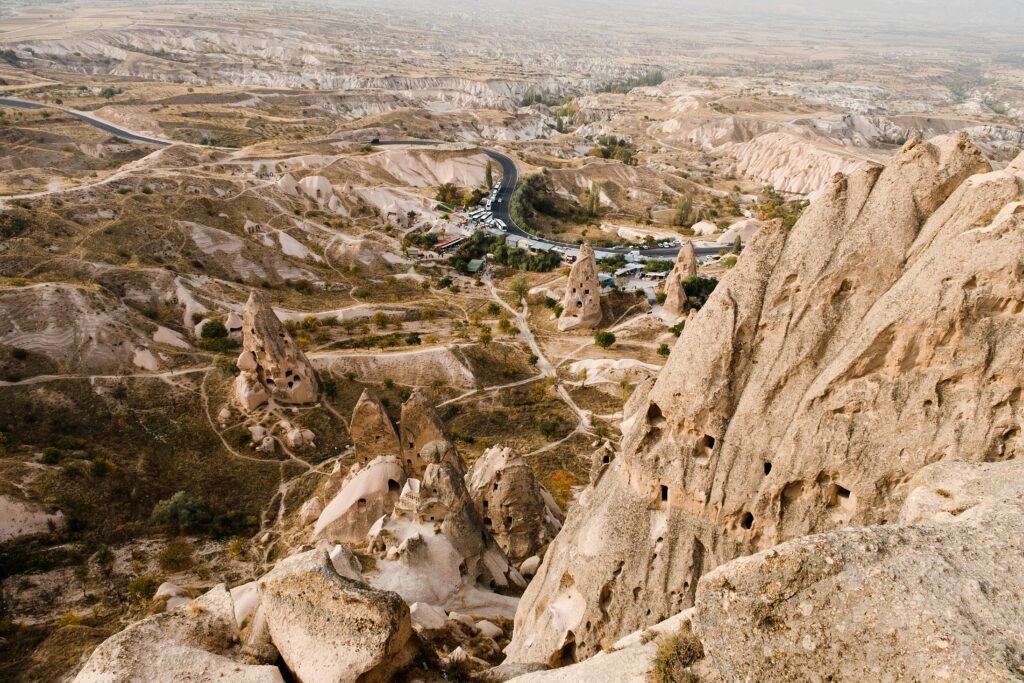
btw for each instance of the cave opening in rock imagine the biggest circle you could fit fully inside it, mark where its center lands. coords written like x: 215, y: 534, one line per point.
x: 709, y: 441
x: 767, y: 468
x: 748, y: 521
x: 664, y: 493
x: 393, y: 486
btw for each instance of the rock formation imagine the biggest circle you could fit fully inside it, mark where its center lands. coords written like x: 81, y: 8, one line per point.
x: 198, y: 641
x: 939, y: 600
x: 331, y: 629
x: 581, y: 305
x: 371, y: 429
x: 368, y: 494
x: 879, y: 334
x: 419, y: 427
x: 435, y: 549
x: 271, y: 364
x: 518, y: 511
x: 684, y: 268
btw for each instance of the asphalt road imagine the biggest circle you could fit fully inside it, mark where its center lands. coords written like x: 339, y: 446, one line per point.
x: 509, y: 178
x: 92, y: 121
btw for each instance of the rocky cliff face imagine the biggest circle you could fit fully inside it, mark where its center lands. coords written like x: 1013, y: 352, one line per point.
x: 880, y: 334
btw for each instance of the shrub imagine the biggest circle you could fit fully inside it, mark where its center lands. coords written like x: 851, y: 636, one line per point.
x: 214, y: 329
x: 143, y: 587
x: 677, y: 329
x: 225, y: 365
x: 52, y: 456
x: 181, y: 512
x: 100, y: 467
x: 664, y: 350
x: 604, y: 338
x: 177, y: 556
x: 19, y: 354
x: 120, y: 392
x: 533, y: 359
x: 675, y: 654
x: 493, y: 309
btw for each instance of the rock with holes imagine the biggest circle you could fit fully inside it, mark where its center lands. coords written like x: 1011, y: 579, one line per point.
x: 271, y: 364
x: 880, y: 333
x: 685, y: 268
x: 517, y: 510
x: 372, y: 432
x: 330, y: 629
x: 199, y: 641
x: 581, y: 305
x: 935, y: 598
x: 370, y: 493
x: 435, y: 549
x: 419, y: 427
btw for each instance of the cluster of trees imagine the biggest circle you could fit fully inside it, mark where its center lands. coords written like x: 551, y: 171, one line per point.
x: 534, y: 97
x: 481, y: 244
x: 611, y: 147
x: 698, y: 289
x: 453, y: 195
x: 184, y: 513
x: 776, y: 206
x: 649, y: 78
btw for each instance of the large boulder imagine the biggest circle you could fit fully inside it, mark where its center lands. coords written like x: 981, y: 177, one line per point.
x: 369, y: 493
x: 372, y: 432
x: 879, y: 334
x: 581, y: 305
x: 271, y: 364
x: 198, y: 642
x: 330, y: 629
x: 518, y: 511
x: 939, y: 600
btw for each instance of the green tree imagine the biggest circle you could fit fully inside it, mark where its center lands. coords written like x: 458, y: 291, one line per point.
x: 684, y: 211
x: 520, y: 286
x: 594, y: 201
x: 737, y: 245
x: 664, y: 350
x: 604, y: 338
x: 488, y: 175
x: 214, y: 329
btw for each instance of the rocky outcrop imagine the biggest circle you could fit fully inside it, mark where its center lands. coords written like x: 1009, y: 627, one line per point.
x: 271, y: 364
x: 199, y: 641
x: 517, y: 510
x: 581, y: 305
x: 330, y: 629
x: 684, y: 268
x: 419, y: 427
x: 435, y: 549
x: 879, y: 334
x: 371, y: 429
x: 939, y: 600
x: 368, y: 494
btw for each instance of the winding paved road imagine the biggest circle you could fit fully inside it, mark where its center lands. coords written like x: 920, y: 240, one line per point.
x: 509, y: 178
x: 91, y: 120
x: 509, y: 174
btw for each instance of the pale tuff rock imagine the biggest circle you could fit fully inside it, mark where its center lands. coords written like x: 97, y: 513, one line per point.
x: 368, y: 494
x: 684, y: 269
x: 581, y: 306
x: 330, y: 629
x: 196, y: 642
x: 271, y: 364
x: 745, y: 230
x: 435, y: 549
x: 936, y: 601
x: 427, y: 617
x: 628, y: 660
x: 879, y: 334
x: 516, y: 509
x: 371, y: 429
x: 419, y: 427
